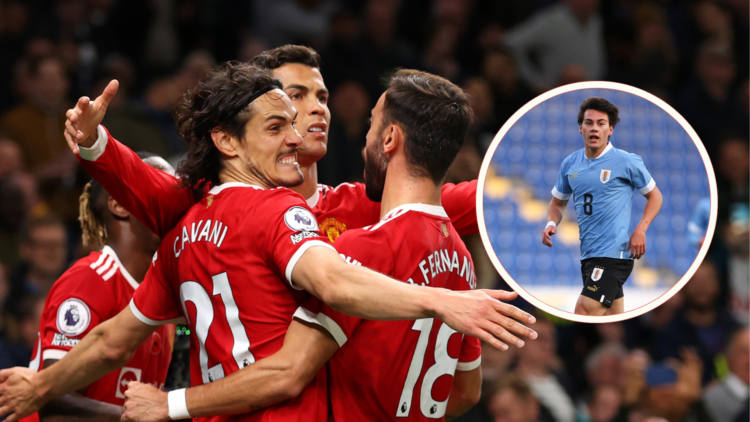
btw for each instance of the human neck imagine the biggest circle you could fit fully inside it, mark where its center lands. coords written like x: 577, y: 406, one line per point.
x: 308, y: 188
x: 131, y: 253
x: 595, y: 153
x: 403, y: 188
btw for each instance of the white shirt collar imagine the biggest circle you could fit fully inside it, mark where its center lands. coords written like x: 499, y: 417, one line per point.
x: 218, y: 188
x: 313, y: 200
x: 436, y: 210
x: 736, y: 386
x: 106, y: 250
x: 606, y: 150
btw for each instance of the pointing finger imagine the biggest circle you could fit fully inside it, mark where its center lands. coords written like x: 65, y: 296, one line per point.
x: 109, y: 92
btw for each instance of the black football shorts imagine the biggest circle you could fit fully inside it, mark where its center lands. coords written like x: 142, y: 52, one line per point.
x: 603, y: 278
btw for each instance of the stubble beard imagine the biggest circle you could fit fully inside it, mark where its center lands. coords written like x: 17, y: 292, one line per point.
x: 376, y: 165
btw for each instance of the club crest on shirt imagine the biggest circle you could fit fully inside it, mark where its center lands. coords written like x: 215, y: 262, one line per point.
x: 605, y: 175
x: 73, y: 317
x: 332, y: 228
x: 300, y: 219
x: 596, y: 275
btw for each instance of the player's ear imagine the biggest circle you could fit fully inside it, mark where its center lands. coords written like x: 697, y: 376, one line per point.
x: 393, y: 140
x: 223, y: 142
x: 580, y: 129
x: 611, y: 129
x: 117, y: 209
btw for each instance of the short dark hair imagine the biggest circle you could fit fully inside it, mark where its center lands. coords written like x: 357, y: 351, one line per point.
x: 513, y: 382
x: 214, y: 103
x: 600, y: 104
x: 286, y: 54
x: 34, y: 222
x: 435, y: 116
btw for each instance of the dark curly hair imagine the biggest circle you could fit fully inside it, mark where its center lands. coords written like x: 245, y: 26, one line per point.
x: 213, y: 103
x: 286, y: 54
x: 600, y: 104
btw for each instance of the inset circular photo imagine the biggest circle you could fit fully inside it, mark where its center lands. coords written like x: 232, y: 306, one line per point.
x: 596, y: 202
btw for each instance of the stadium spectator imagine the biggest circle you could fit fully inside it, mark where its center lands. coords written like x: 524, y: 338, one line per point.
x: 350, y: 108
x: 604, y: 365
x: 726, y: 399
x: 299, y: 21
x: 602, y: 405
x: 485, y: 125
x: 16, y: 347
x: 700, y: 324
x: 11, y: 157
x: 569, y: 33
x: 541, y: 369
x: 511, y: 400
x: 44, y: 251
x: 500, y: 69
x: 38, y: 123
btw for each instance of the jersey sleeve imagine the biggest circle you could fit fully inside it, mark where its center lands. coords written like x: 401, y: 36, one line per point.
x: 152, y: 196
x: 640, y: 178
x: 471, y: 354
x: 72, y: 309
x: 460, y: 203
x: 155, y: 301
x: 288, y: 228
x: 562, y: 189
x: 356, y: 248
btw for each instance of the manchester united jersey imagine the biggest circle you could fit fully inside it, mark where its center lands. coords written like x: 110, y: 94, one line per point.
x: 93, y: 290
x: 155, y: 199
x: 388, y: 370
x: 226, y: 268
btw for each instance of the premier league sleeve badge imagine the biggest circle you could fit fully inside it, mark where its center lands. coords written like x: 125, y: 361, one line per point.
x: 73, y: 317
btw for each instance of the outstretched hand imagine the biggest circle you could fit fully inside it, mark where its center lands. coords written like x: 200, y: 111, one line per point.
x: 480, y: 313
x: 547, y: 234
x: 85, y: 117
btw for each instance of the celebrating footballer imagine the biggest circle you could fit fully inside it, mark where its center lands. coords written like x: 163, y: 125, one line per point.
x: 601, y: 180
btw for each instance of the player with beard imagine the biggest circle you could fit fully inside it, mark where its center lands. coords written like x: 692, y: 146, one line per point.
x: 378, y: 370
x: 151, y: 196
x: 93, y: 290
x: 601, y: 180
x: 236, y: 265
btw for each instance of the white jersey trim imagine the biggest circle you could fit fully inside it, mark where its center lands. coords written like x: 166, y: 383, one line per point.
x: 648, y: 188
x: 324, y: 321
x: 95, y: 151
x: 559, y: 195
x: 53, y: 354
x: 109, y: 251
x: 435, y: 210
x: 34, y: 364
x: 297, y: 255
x: 469, y: 366
x: 217, y: 189
x: 148, y: 321
x: 313, y: 200
x: 606, y: 150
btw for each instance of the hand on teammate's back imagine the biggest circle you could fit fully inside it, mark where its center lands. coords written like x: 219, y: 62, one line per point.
x: 547, y: 234
x: 84, y: 119
x: 18, y: 397
x: 482, y: 314
x: 144, y: 403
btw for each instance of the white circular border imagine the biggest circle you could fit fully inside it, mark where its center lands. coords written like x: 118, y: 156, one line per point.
x: 483, y: 176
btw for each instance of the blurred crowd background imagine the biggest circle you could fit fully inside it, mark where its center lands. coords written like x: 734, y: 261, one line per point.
x: 689, y: 360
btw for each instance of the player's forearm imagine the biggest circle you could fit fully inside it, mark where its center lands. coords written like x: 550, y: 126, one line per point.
x: 95, y: 356
x: 73, y: 407
x: 268, y: 381
x: 653, y: 206
x: 465, y: 392
x: 556, y: 210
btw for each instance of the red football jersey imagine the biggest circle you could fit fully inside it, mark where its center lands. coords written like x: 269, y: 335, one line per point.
x: 227, y: 269
x: 386, y: 370
x: 154, y: 198
x: 93, y: 290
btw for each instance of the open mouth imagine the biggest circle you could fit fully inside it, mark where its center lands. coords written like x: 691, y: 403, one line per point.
x: 594, y: 137
x: 288, y: 159
x: 317, y: 127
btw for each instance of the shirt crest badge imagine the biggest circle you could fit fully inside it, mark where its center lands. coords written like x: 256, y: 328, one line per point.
x: 596, y: 275
x: 209, y: 201
x: 332, y: 228
x: 444, y: 229
x: 605, y: 175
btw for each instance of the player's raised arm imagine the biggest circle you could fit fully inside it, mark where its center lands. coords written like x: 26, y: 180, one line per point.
x: 637, y: 243
x: 107, y: 347
x: 358, y: 291
x: 150, y: 195
x: 279, y: 377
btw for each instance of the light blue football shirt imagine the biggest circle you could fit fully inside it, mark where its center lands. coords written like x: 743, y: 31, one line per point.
x: 602, y: 190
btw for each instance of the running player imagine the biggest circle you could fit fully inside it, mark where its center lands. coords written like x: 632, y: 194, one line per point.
x: 601, y: 179
x: 235, y: 262
x: 95, y: 289
x: 384, y: 370
x: 151, y: 196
